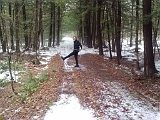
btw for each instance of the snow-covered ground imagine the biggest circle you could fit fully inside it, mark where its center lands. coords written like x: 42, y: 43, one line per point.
x: 65, y: 48
x: 5, y: 74
x: 69, y: 108
x: 124, y: 105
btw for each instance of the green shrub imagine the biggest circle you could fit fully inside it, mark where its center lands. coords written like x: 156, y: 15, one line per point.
x: 3, y: 83
x: 15, y: 66
x: 31, y: 84
x: 42, y: 77
x: 4, y: 65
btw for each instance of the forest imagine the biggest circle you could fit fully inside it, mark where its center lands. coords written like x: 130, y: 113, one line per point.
x: 29, y: 28
x: 29, y: 24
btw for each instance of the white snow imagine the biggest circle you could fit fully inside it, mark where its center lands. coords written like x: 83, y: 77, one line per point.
x: 157, y: 63
x: 6, y: 76
x: 125, y: 105
x: 68, y: 108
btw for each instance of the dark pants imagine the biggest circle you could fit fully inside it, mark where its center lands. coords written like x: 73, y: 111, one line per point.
x: 75, y: 53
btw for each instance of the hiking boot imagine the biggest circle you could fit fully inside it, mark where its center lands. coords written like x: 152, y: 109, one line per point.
x: 62, y: 58
x: 76, y: 66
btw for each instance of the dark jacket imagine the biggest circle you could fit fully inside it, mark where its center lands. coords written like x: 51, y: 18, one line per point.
x: 77, y: 45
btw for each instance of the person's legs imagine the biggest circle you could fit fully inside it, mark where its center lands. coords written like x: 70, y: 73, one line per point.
x: 72, y: 53
x: 76, y: 59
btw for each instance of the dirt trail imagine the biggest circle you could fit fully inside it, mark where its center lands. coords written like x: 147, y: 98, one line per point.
x: 97, y: 86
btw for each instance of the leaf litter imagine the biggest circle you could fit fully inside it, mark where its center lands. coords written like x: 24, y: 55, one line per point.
x: 100, y: 88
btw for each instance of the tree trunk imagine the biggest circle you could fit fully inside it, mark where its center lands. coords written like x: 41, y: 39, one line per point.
x: 25, y: 27
x: 36, y: 39
x: 3, y: 42
x: 137, y: 30
x: 112, y: 17
x: 156, y: 23
x: 54, y: 25
x: 1, y: 37
x: 10, y: 72
x: 11, y: 27
x: 58, y: 25
x: 17, y: 26
x: 40, y: 33
x: 94, y: 24
x: 131, y: 30
x: 51, y: 26
x: 149, y: 65
x: 108, y: 32
x: 88, y: 27
x: 3, y: 31
x: 87, y: 24
x: 118, y: 31
x: 99, y: 32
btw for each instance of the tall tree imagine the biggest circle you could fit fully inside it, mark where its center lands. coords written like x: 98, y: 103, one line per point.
x: 132, y: 19
x: 113, y: 24
x: 16, y: 7
x: 3, y: 42
x: 99, y: 30
x: 94, y: 23
x: 149, y: 64
x: 54, y: 24
x: 36, y: 27
x: 87, y: 23
x: 118, y: 31
x: 25, y: 26
x: 51, y: 25
x: 58, y: 24
x: 11, y: 26
x: 137, y: 31
x: 40, y: 32
x: 108, y: 31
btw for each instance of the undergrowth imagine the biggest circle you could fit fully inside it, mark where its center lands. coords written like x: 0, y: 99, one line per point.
x: 3, y: 83
x: 31, y: 84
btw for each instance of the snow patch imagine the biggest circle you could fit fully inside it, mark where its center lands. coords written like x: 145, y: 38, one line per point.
x: 68, y: 108
x: 124, y: 105
x: 6, y: 75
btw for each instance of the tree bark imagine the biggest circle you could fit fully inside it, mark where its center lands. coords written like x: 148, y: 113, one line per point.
x: 51, y: 26
x: 36, y: 38
x: 94, y: 24
x: 131, y: 30
x: 25, y: 27
x: 99, y: 32
x: 149, y: 65
x: 108, y: 32
x: 40, y: 33
x: 137, y: 31
x: 118, y: 31
x: 3, y: 42
x: 11, y: 27
x: 54, y: 25
x: 17, y: 26
x: 58, y: 25
x: 113, y: 25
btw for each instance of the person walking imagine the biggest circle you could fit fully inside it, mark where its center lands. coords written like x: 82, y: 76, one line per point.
x: 77, y: 46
